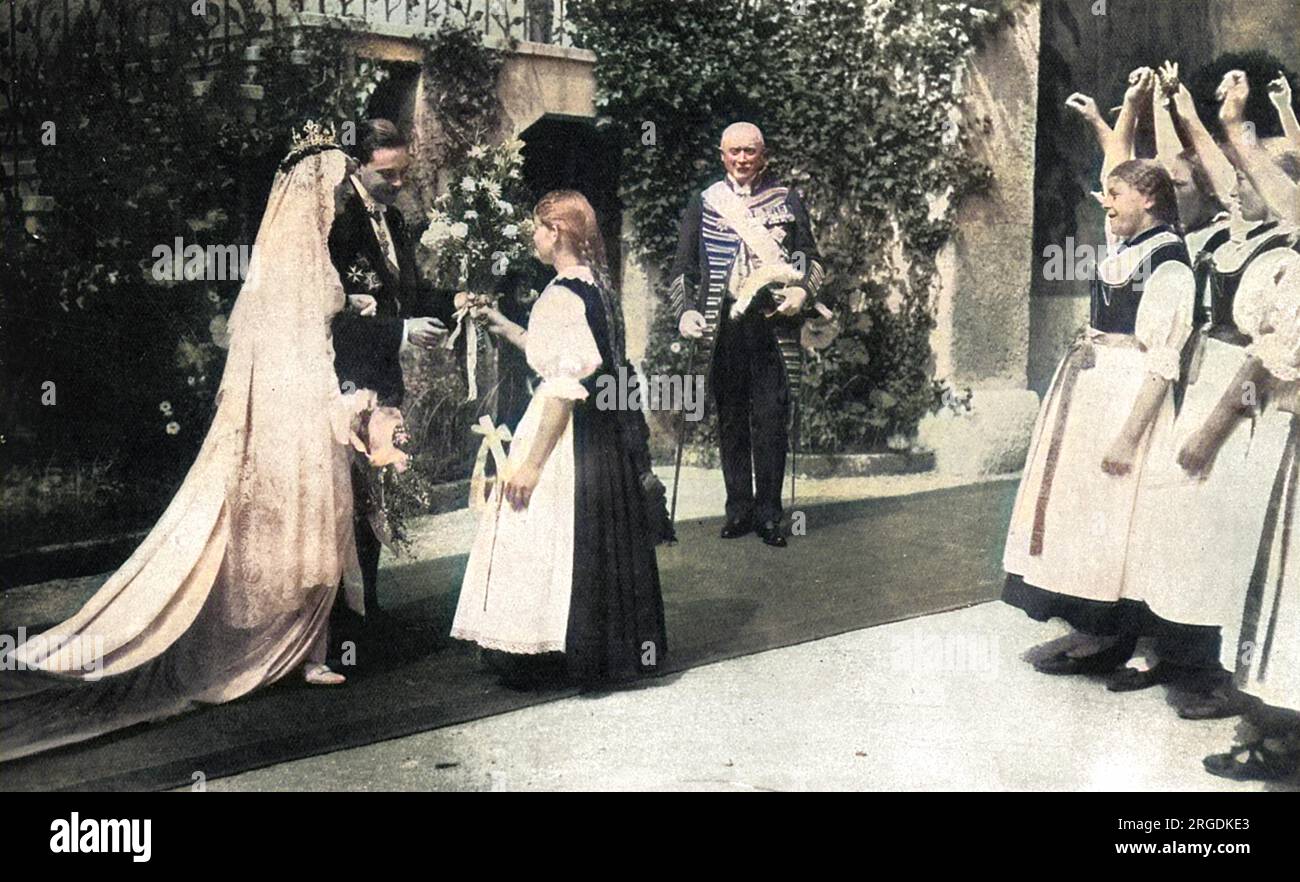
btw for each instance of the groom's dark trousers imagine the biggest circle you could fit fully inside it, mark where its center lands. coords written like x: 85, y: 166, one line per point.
x: 366, y: 348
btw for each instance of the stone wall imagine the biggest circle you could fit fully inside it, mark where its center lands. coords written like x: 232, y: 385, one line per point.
x: 982, y: 337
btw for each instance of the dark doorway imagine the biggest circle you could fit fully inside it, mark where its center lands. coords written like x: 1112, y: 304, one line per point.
x: 568, y: 153
x: 394, y: 98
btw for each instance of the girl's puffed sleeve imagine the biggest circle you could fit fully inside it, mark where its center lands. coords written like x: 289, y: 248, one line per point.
x: 1164, y: 319
x: 1268, y: 309
x: 560, y: 346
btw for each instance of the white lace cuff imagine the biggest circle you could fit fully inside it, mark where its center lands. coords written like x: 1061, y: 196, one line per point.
x: 1164, y: 362
x: 570, y: 388
x: 1279, y: 359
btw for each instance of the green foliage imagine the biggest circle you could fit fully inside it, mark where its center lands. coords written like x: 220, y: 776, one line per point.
x: 460, y: 86
x: 859, y: 103
x: 155, y: 140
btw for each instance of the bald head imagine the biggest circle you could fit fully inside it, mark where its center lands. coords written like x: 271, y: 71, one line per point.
x: 741, y: 133
x: 743, y: 151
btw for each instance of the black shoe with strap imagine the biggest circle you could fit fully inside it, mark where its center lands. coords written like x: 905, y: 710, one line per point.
x: 1252, y: 762
x: 1218, y: 703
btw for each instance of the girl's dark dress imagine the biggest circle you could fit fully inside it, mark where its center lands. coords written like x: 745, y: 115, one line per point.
x: 570, y: 582
x: 616, y: 613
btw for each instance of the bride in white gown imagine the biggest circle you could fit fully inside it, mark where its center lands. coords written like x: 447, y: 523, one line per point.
x: 232, y: 589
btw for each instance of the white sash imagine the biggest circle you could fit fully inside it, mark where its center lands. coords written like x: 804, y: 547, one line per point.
x: 738, y: 216
x: 756, y: 241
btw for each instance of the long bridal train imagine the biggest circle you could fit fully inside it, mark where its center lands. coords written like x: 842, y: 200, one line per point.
x: 233, y: 587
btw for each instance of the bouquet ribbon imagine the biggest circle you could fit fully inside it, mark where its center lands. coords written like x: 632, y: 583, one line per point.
x: 471, y: 348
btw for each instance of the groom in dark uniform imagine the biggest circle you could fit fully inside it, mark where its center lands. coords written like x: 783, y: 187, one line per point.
x: 748, y: 235
x: 391, y: 307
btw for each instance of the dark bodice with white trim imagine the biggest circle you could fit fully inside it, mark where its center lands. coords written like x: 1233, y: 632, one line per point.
x: 1114, y: 308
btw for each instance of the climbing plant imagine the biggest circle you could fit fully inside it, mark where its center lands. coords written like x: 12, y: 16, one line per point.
x: 134, y: 142
x: 860, y: 105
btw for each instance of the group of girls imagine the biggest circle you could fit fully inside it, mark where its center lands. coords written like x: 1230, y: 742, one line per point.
x: 1156, y: 513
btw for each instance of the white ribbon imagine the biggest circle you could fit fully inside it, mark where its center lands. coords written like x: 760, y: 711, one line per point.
x: 471, y: 348
x: 494, y: 440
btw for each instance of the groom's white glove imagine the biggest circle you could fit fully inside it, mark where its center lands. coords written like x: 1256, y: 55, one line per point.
x: 424, y: 332
x: 692, y: 324
x: 364, y: 304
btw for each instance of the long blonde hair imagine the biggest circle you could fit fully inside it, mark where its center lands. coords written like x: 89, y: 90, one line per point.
x: 571, y: 216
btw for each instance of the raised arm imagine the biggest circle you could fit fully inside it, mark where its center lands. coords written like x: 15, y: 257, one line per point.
x: 1119, y: 147
x: 1279, y: 92
x: 1169, y: 144
x: 1086, y: 107
x: 1219, y: 170
x: 1279, y: 192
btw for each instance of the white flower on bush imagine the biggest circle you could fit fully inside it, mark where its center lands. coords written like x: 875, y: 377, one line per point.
x: 468, y: 184
x: 173, y: 427
x: 220, y: 333
x: 459, y: 231
x: 510, y: 231
x: 471, y: 215
x: 492, y: 188
x: 437, y: 233
x: 478, y: 151
x: 898, y: 442
x: 506, y: 208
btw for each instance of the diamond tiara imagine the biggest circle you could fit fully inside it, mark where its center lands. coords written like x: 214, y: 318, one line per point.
x: 312, y: 138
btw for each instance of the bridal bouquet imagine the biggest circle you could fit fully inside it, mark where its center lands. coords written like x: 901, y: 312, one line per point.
x: 476, y: 234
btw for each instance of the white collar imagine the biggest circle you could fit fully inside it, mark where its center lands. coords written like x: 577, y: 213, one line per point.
x: 1120, y: 267
x: 741, y: 189
x: 579, y: 272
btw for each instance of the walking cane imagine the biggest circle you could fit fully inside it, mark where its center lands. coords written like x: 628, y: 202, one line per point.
x: 681, y: 443
x: 798, y: 419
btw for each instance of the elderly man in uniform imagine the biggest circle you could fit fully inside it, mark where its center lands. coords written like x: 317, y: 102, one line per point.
x: 746, y: 270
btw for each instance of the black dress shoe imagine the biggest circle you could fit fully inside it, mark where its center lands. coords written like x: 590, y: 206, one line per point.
x: 1063, y: 664
x: 1216, y: 704
x: 770, y: 533
x: 1131, y: 679
x: 1251, y: 762
x: 736, y: 529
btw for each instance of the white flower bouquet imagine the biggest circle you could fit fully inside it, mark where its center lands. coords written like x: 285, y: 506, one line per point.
x: 475, y: 234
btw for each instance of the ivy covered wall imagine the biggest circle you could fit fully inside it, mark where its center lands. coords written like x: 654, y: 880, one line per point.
x: 859, y: 102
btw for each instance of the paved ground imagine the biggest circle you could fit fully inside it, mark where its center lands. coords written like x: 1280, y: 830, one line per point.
x: 943, y: 702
